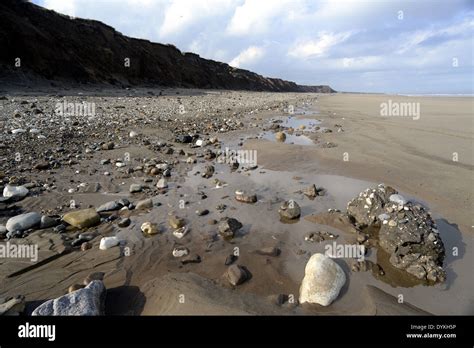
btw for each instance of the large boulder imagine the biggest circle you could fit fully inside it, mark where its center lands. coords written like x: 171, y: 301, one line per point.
x: 82, y: 218
x: 89, y: 301
x: 15, y: 192
x: 322, y: 281
x: 407, y: 231
x: 23, y: 222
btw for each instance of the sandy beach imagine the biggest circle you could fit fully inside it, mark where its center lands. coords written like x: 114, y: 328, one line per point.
x: 343, y: 145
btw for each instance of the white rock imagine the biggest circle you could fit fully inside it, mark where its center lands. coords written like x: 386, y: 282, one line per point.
x: 15, y: 191
x: 108, y: 242
x: 180, y: 232
x: 162, y: 184
x: 132, y: 134
x: 180, y: 251
x: 322, y: 282
x: 18, y: 130
x: 399, y: 199
x: 200, y: 142
x: 23, y: 222
x: 383, y: 217
x: 34, y: 131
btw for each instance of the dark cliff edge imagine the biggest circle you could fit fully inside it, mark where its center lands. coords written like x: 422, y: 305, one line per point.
x: 55, y: 47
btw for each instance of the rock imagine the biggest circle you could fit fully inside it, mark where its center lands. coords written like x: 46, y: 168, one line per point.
x: 322, y: 282
x: 202, y: 212
x: 15, y: 192
x: 108, y: 146
x: 180, y: 251
x: 290, y: 210
x: 82, y: 218
x: 183, y: 138
x: 230, y: 259
x: 398, y: 199
x: 89, y: 301
x: 269, y: 251
x: 365, y: 208
x: 195, y: 258
x: 133, y: 134
x: 175, y: 222
x: 208, y: 172
x: 108, y: 242
x: 180, y: 232
x: 241, y: 196
x: 200, y: 142
x: 13, y: 306
x: 48, y: 222
x: 125, y: 222
x: 86, y: 246
x: 75, y: 287
x: 228, y: 227
x: 23, y: 222
x: 149, y: 228
x: 236, y: 274
x: 311, y: 191
x: 280, y: 136
x: 93, y: 276
x: 144, y: 204
x: 134, y: 188
x: 162, y: 183
x: 109, y: 206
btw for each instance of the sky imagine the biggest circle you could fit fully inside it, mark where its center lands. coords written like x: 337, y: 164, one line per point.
x: 404, y: 46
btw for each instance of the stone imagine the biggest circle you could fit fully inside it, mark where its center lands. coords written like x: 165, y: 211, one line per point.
x: 133, y: 134
x: 108, y: 242
x: 208, y: 172
x: 228, y: 227
x: 48, y: 222
x: 162, y: 184
x: 82, y: 218
x: 13, y: 306
x: 134, y: 188
x: 175, y: 222
x: 15, y: 192
x: 23, y: 222
x: 195, y: 258
x: 398, y: 199
x: 236, y: 274
x: 180, y: 251
x: 241, y: 196
x: 93, y: 276
x: 311, y: 191
x: 125, y: 222
x: 149, y: 228
x: 181, y: 232
x: 109, y: 206
x: 322, y: 282
x: 202, y: 212
x: 280, y: 136
x: 144, y: 204
x: 290, y: 210
x: 230, y: 259
x: 89, y: 301
x: 75, y: 287
x: 183, y: 138
x: 108, y: 146
x: 86, y: 246
x: 269, y: 251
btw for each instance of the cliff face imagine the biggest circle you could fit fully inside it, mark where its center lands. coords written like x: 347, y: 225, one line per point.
x: 55, y: 47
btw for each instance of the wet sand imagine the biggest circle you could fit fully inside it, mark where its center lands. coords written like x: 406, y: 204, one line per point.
x: 149, y: 280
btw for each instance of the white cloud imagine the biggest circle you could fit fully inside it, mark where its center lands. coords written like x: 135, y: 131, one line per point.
x: 319, y: 47
x: 255, y: 16
x: 248, y: 56
x: 180, y: 14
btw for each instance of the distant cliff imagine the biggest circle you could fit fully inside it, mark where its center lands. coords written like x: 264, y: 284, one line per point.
x: 55, y: 47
